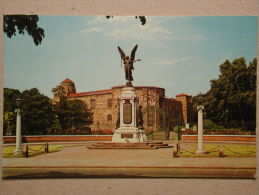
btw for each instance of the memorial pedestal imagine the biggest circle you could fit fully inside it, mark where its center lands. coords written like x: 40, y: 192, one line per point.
x: 128, y: 131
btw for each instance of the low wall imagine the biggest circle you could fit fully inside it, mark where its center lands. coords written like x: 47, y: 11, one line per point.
x: 58, y: 138
x: 245, y: 138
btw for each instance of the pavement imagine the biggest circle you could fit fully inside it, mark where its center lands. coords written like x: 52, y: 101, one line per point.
x: 81, y: 156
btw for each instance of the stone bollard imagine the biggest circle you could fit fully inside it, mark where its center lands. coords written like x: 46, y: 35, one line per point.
x: 178, y: 147
x: 221, y: 153
x: 47, y: 147
x: 26, y: 153
x: 176, y: 150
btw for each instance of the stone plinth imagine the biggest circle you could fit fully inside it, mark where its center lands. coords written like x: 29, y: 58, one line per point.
x: 128, y: 131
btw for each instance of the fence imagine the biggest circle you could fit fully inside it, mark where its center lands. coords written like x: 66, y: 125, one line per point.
x: 220, y: 149
x: 30, y: 151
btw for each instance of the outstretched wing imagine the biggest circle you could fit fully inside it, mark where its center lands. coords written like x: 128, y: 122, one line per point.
x: 123, y: 56
x: 132, y: 55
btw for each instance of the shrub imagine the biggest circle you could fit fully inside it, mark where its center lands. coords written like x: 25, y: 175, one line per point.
x: 210, y: 125
x: 102, y: 131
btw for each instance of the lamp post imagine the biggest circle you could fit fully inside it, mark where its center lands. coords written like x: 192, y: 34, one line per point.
x: 18, y: 149
x: 200, y: 108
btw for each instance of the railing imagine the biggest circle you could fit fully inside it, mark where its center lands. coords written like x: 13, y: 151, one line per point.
x: 26, y: 149
x: 219, y: 148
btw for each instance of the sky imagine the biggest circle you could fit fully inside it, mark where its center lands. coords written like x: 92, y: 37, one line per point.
x: 179, y: 54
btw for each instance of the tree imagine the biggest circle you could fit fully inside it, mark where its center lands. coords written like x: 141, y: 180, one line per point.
x: 22, y: 24
x: 142, y: 19
x: 231, y: 100
x: 10, y: 96
x: 74, y: 115
x: 71, y: 114
x: 37, y: 113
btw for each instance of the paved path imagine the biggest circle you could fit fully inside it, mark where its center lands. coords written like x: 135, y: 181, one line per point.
x: 80, y: 156
x: 81, y: 162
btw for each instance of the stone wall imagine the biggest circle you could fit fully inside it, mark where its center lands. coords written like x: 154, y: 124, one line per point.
x: 187, y: 105
x: 105, y: 110
x: 98, y: 105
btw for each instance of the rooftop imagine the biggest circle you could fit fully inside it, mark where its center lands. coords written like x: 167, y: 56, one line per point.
x: 67, y: 81
x: 99, y: 92
x: 183, y: 94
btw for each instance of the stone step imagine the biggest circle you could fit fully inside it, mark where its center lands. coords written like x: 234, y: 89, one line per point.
x: 158, y: 144
x: 145, y: 145
x: 121, y: 145
x: 153, y: 142
x: 163, y: 147
x: 104, y: 147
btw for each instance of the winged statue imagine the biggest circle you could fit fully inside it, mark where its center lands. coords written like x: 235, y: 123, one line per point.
x: 128, y: 63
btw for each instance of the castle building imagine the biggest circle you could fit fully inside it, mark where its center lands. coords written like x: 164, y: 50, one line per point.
x: 159, y: 112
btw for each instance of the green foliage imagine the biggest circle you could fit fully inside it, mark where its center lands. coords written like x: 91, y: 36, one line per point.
x: 178, y: 128
x: 10, y: 96
x: 210, y: 125
x: 37, y: 112
x: 71, y: 114
x: 142, y: 19
x: 75, y: 115
x: 231, y: 100
x: 39, y: 116
x: 22, y: 24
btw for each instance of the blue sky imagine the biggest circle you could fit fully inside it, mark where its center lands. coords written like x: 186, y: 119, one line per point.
x: 180, y: 54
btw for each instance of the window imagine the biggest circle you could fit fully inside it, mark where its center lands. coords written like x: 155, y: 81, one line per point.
x: 109, y: 118
x: 92, y: 103
x: 109, y: 103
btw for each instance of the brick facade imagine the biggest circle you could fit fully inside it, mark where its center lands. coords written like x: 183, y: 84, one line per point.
x: 187, y: 106
x: 104, y: 104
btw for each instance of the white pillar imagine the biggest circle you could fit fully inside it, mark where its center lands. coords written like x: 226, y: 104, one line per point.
x: 18, y: 149
x: 200, y: 130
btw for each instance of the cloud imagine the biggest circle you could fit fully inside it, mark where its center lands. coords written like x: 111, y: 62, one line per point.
x: 159, y: 30
x: 92, y: 29
x: 141, y: 33
x: 128, y: 28
x: 190, y: 37
x: 173, y: 61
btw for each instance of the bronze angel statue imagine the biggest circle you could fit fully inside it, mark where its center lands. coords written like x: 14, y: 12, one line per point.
x: 128, y: 63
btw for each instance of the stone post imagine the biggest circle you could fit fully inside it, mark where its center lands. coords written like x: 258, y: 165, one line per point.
x: 18, y: 149
x: 200, y: 130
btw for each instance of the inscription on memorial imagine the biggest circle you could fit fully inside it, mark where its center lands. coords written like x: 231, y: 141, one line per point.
x: 127, y: 112
x: 127, y: 135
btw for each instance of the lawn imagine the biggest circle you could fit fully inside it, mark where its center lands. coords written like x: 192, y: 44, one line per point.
x: 186, y: 150
x: 212, y: 150
x: 34, y: 150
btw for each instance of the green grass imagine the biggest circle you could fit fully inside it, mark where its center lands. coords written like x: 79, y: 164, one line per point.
x: 34, y: 150
x: 230, y: 150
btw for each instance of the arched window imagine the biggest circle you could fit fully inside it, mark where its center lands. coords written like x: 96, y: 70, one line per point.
x: 109, y: 118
